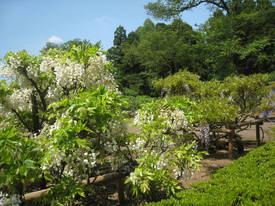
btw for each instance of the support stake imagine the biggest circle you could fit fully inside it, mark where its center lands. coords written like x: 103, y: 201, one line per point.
x: 120, y: 190
x: 230, y: 145
x: 258, y: 136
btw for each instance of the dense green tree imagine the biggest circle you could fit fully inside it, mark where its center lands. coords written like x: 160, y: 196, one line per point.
x: 167, y: 9
x: 115, y: 53
x: 120, y: 36
x: 237, y: 39
x: 68, y: 45
x: 155, y: 51
x: 243, y: 44
x: 169, y: 48
x: 129, y: 71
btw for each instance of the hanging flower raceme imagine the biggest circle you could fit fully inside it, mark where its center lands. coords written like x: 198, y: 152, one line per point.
x: 72, y: 74
x: 21, y: 100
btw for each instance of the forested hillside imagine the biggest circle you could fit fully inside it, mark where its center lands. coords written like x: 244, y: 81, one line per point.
x: 237, y: 39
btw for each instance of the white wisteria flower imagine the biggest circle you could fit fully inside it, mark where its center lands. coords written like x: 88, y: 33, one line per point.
x: 21, y: 99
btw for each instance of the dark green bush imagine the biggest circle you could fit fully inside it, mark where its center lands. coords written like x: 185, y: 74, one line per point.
x: 250, y: 180
x: 134, y: 103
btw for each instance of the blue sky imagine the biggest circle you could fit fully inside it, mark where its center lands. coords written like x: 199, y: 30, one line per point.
x: 29, y: 24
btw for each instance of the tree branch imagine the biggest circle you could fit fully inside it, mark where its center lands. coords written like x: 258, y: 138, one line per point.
x: 21, y: 120
x: 34, y: 84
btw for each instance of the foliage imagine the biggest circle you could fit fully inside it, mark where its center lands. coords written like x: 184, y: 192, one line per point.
x: 234, y: 99
x: 238, y: 41
x: 248, y: 93
x: 48, y: 154
x: 247, y: 181
x: 238, y: 45
x: 218, y: 104
x: 19, y: 161
x: 62, y: 117
x: 154, y: 51
x: 67, y: 45
x: 135, y: 103
x: 167, y: 9
x: 180, y: 83
x: 83, y: 129
x: 87, y: 128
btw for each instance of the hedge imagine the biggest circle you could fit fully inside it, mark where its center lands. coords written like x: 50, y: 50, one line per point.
x: 250, y: 180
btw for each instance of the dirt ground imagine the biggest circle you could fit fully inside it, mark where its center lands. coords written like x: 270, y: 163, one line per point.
x: 220, y: 159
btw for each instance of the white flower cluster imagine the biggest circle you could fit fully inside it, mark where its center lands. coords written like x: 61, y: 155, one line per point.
x: 177, y: 172
x: 47, y: 64
x: 143, y: 117
x: 73, y: 75
x: 6, y: 72
x: 137, y: 145
x: 54, y: 75
x: 161, y: 163
x: 69, y: 74
x: 54, y: 94
x: 174, y: 118
x: 14, y: 63
x: 54, y: 158
x: 96, y: 73
x: 77, y: 163
x: 90, y: 159
x: 16, y: 69
x: 80, y: 163
x: 111, y: 146
x: 5, y: 200
x: 21, y: 100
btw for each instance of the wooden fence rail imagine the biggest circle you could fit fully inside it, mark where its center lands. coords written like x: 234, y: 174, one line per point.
x: 106, y: 178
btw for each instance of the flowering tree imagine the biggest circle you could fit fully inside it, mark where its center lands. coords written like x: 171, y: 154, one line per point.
x: 32, y: 84
x: 220, y: 103
x: 35, y: 82
x: 165, y: 149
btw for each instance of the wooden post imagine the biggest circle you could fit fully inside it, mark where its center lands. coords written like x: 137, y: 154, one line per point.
x: 230, y: 143
x: 258, y: 137
x: 120, y: 190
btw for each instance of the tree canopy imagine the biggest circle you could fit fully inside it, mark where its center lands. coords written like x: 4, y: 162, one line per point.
x: 167, y: 9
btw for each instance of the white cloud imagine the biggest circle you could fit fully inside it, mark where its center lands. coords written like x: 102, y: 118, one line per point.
x: 55, y: 40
